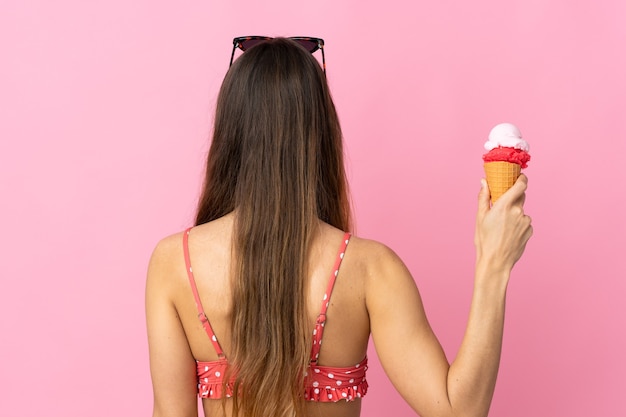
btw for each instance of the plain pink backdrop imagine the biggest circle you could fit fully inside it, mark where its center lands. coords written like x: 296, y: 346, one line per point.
x: 105, y: 114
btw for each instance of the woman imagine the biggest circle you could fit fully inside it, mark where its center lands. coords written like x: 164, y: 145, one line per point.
x: 274, y: 272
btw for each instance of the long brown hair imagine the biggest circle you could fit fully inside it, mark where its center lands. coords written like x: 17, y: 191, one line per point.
x: 276, y: 159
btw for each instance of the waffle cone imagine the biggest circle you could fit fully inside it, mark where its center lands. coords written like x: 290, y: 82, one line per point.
x: 501, y: 176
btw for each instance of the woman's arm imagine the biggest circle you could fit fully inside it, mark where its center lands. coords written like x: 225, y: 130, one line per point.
x: 172, y: 365
x: 409, y: 351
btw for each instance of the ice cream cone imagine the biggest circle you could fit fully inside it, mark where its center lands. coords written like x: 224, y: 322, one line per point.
x: 501, y: 176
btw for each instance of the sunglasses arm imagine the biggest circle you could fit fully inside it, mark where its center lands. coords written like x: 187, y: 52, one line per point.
x: 232, y: 56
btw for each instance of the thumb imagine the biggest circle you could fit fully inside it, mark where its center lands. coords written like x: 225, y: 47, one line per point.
x: 484, y: 197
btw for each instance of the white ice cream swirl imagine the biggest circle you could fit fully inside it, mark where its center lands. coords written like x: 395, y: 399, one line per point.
x: 506, y: 135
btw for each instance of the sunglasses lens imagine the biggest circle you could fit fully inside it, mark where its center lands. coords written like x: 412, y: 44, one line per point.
x: 309, y: 45
x: 249, y: 43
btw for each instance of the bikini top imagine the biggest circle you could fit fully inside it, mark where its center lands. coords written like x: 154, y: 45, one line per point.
x: 322, y: 383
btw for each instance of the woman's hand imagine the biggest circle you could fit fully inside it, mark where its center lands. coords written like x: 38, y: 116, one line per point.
x: 502, y: 229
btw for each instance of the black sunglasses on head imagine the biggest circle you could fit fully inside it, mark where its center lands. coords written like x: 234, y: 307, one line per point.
x: 310, y: 44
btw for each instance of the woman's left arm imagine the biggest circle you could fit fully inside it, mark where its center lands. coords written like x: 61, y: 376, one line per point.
x: 172, y: 365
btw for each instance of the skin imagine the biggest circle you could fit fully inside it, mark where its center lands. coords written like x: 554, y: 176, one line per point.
x: 374, y: 293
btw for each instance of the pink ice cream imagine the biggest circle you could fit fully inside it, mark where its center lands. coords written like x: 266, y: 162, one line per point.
x: 506, y: 144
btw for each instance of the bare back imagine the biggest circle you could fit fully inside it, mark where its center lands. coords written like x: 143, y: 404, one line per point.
x: 346, y: 332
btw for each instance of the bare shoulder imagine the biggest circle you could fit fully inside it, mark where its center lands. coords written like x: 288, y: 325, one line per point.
x: 166, y: 259
x: 375, y: 258
x: 168, y: 249
x: 386, y: 278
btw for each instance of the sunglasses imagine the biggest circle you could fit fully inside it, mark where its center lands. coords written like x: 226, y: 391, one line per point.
x: 310, y: 44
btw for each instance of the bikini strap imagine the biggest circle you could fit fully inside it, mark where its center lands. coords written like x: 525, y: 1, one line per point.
x: 201, y: 314
x: 321, y: 319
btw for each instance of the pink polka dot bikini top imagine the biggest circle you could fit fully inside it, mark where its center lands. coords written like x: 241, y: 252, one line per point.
x: 323, y: 383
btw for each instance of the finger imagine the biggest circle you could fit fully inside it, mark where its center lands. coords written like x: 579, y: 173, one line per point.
x: 521, y: 200
x: 522, y: 197
x: 521, y: 184
x: 483, y: 197
x: 528, y: 233
x: 516, y: 192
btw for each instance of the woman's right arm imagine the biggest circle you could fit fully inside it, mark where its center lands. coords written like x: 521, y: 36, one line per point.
x: 407, y: 347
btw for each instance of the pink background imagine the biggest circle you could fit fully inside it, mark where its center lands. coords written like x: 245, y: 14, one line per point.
x: 105, y: 111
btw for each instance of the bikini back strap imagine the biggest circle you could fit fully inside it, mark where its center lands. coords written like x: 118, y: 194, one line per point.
x: 201, y: 314
x: 321, y: 319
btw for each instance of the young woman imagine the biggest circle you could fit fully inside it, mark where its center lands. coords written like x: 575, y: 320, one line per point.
x: 265, y: 307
